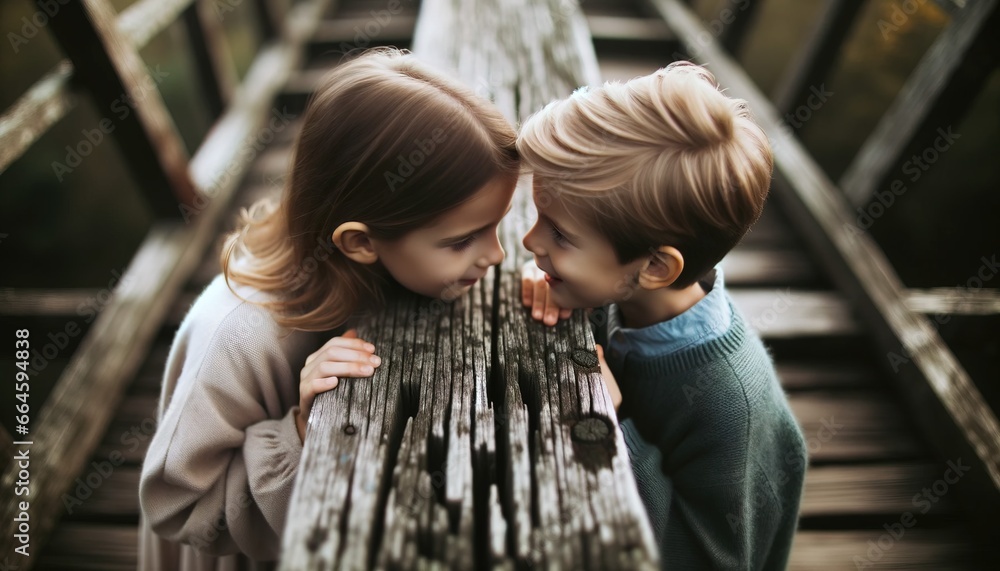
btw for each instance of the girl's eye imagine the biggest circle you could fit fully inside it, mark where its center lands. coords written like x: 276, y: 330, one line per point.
x: 464, y: 244
x: 557, y: 235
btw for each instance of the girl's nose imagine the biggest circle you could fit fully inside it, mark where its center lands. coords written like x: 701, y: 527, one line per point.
x: 493, y: 256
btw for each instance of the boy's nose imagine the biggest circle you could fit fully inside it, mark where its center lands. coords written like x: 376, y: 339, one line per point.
x: 530, y: 241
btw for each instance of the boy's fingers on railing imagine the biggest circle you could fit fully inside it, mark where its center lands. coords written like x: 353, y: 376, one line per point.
x: 528, y: 279
x: 609, y: 379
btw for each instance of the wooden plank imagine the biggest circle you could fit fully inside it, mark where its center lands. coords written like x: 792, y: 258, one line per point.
x: 109, y: 65
x: 770, y: 230
x: 835, y: 374
x: 935, y: 97
x: 852, y: 426
x: 814, y: 60
x: 785, y: 313
x: 960, y: 301
x: 82, y: 546
x: 746, y: 267
x: 127, y: 438
x: 628, y: 28
x: 583, y: 488
x: 35, y: 112
x: 354, y: 434
x: 851, y: 550
x: 341, y: 35
x: 944, y: 401
x: 47, y: 302
x: 143, y: 20
x: 878, y: 490
x: 69, y: 429
x: 115, y: 497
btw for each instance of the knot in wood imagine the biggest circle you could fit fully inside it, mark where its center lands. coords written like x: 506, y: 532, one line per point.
x: 349, y: 429
x: 591, y: 430
x: 584, y: 358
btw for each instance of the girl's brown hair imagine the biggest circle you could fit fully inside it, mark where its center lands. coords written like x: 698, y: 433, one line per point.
x: 385, y: 141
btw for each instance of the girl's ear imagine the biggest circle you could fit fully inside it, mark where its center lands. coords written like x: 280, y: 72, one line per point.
x: 353, y: 240
x: 662, y: 268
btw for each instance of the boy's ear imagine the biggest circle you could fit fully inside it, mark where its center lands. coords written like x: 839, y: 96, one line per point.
x: 353, y: 240
x: 662, y: 268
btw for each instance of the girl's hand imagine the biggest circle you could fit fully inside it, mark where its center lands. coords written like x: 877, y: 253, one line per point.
x: 535, y: 294
x: 345, y: 356
x: 609, y: 379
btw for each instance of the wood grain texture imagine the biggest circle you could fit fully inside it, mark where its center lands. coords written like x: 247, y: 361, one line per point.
x: 850, y: 550
x: 952, y: 301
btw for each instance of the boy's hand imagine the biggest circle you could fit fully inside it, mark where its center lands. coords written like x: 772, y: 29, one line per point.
x: 609, y: 379
x: 345, y: 356
x: 535, y: 294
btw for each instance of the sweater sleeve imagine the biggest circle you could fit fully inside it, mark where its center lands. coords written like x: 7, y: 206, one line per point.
x: 220, y: 468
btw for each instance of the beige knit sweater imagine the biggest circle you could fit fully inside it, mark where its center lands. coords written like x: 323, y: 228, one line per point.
x: 219, y: 471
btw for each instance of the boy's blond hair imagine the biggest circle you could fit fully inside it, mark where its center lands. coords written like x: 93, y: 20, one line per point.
x: 661, y: 160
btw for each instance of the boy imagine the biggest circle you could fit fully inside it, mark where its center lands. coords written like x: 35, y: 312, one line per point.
x: 641, y: 189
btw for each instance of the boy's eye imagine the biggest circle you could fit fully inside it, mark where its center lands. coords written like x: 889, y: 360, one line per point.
x: 464, y: 244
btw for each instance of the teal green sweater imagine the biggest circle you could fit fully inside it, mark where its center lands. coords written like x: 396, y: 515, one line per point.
x: 719, y: 459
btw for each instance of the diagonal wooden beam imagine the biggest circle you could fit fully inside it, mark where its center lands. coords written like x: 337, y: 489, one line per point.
x: 813, y: 62
x: 933, y: 100
x: 35, y: 112
x: 128, y: 101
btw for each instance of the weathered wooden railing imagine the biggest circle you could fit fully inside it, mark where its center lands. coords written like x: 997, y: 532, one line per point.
x: 946, y: 404
x: 485, y: 440
x: 187, y: 194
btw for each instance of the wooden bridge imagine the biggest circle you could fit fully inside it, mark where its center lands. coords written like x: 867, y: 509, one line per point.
x: 488, y: 441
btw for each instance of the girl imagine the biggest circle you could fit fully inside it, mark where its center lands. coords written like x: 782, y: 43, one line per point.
x: 400, y: 176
